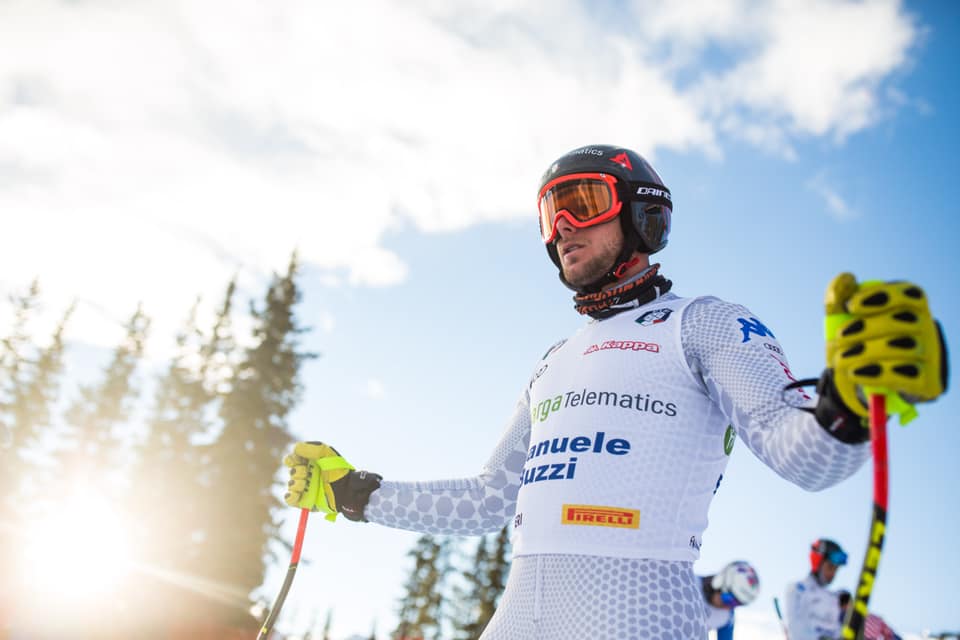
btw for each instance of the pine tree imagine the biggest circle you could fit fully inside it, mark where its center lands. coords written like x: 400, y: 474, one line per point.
x: 499, y: 571
x: 246, y: 457
x: 99, y: 433
x: 328, y: 624
x: 34, y: 404
x: 470, y: 600
x: 217, y: 353
x: 90, y: 459
x: 422, y: 609
x: 485, y: 579
x: 13, y: 349
x: 14, y: 354
x: 29, y: 381
x: 169, y: 502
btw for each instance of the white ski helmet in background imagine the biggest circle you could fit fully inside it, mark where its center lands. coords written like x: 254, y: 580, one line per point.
x: 739, y: 581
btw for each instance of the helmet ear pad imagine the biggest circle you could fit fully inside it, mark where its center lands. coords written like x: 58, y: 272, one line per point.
x: 651, y: 224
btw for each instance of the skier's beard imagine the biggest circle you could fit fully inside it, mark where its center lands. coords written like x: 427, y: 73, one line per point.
x: 582, y: 274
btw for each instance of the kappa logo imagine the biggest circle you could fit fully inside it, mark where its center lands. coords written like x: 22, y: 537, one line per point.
x: 752, y: 325
x: 624, y: 345
x: 657, y: 316
x: 595, y: 516
x: 623, y: 160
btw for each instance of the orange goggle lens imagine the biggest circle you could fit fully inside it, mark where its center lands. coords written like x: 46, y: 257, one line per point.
x: 584, y: 199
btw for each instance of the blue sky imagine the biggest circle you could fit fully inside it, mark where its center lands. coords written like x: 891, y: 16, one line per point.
x: 399, y: 149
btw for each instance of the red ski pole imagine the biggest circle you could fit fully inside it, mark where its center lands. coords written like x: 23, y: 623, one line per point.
x: 291, y: 571
x: 857, y: 612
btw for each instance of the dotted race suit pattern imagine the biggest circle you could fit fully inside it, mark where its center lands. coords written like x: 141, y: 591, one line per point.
x: 608, y: 464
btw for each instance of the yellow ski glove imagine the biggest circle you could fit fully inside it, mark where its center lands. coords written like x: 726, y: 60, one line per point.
x: 881, y: 338
x: 321, y: 480
x: 313, y: 466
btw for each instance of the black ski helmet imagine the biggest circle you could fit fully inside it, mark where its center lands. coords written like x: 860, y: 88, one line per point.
x: 826, y: 549
x: 646, y: 227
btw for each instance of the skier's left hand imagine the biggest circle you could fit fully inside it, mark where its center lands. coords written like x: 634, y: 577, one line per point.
x: 881, y: 336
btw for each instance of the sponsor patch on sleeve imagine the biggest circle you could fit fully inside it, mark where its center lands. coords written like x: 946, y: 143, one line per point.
x: 656, y: 316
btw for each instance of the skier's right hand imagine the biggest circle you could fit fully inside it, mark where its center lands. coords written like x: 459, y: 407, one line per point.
x: 321, y: 480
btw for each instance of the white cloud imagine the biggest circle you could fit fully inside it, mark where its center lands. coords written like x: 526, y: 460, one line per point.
x: 837, y: 205
x: 151, y: 150
x: 809, y: 68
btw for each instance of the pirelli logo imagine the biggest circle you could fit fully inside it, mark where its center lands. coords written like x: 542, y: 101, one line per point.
x: 595, y: 516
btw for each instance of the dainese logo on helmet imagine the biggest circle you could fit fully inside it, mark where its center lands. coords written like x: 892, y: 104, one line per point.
x: 653, y: 191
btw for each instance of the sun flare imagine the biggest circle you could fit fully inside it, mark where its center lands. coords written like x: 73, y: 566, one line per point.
x: 76, y: 551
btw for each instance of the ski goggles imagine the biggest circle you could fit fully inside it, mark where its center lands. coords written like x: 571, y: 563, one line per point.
x: 838, y: 558
x: 583, y: 199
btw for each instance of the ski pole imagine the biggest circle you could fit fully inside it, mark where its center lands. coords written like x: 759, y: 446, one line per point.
x: 857, y: 612
x: 291, y: 571
x: 776, y: 606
